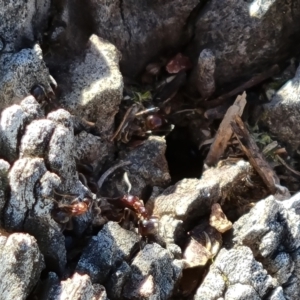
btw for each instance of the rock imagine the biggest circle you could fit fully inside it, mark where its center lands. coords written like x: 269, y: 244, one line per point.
x: 194, y: 197
x: 133, y: 26
x: 148, y: 166
x: 93, y: 86
x: 205, y: 73
x: 79, y: 287
x: 4, y: 168
x: 281, y: 114
x: 92, y: 149
x: 117, y: 281
x: 213, y: 286
x: 19, y: 72
x: 244, y: 36
x: 22, y: 22
x: 154, y: 274
x: 21, y: 266
x: 105, y: 251
x: 13, y: 123
x: 28, y: 209
x: 241, y: 273
x: 241, y: 292
x: 271, y: 229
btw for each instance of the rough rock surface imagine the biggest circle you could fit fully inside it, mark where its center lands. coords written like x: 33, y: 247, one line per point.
x: 28, y: 210
x: 148, y: 166
x: 154, y: 274
x: 141, y: 29
x: 112, y: 245
x: 79, y: 287
x: 19, y: 72
x: 190, y: 199
x: 272, y: 231
x: 235, y: 274
x: 92, y: 149
x: 22, y: 22
x: 12, y: 125
x: 4, y: 168
x: 281, y: 114
x: 93, y: 87
x: 266, y: 36
x: 21, y: 265
x: 268, y: 233
x: 38, y: 172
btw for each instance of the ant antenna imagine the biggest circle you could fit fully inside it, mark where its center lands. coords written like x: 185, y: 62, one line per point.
x: 127, y: 182
x: 111, y: 170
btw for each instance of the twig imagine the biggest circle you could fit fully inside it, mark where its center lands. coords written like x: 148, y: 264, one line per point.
x: 129, y: 115
x: 256, y: 159
x: 250, y: 83
x: 111, y: 170
x: 286, y: 165
x: 224, y: 132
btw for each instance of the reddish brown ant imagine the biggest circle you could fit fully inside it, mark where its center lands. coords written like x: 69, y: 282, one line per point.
x: 147, y: 225
x: 62, y: 213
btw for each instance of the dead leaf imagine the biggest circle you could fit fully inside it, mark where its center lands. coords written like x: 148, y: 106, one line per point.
x: 218, y: 219
x: 178, y: 63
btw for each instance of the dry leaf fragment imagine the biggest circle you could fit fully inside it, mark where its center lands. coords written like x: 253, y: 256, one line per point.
x: 178, y: 63
x: 218, y: 219
x: 196, y: 254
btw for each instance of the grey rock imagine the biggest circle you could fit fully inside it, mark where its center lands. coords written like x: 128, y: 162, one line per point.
x: 92, y: 149
x: 29, y: 209
x: 148, y: 166
x: 291, y: 290
x: 280, y: 267
x: 93, y: 87
x: 205, y: 73
x: 117, y: 280
x: 277, y: 294
x: 260, y: 229
x: 141, y: 30
x: 271, y: 229
x: 80, y: 287
x: 22, y: 22
x: 241, y: 292
x: 21, y: 265
x: 105, y: 251
x: 213, y: 285
x: 4, y: 168
x: 281, y: 114
x: 238, y: 266
x: 13, y: 123
x: 19, y: 72
x: 192, y: 198
x: 245, y: 36
x: 154, y: 274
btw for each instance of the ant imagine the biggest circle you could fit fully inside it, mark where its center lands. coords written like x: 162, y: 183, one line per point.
x: 147, y: 224
x: 62, y: 213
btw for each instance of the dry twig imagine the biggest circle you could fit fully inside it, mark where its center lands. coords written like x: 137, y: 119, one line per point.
x: 256, y: 159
